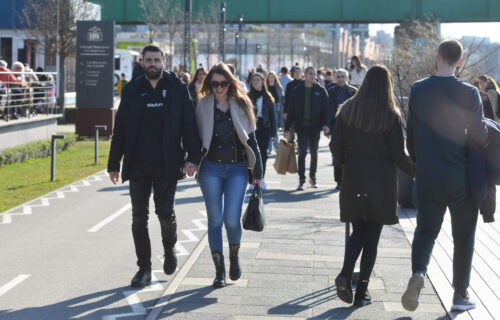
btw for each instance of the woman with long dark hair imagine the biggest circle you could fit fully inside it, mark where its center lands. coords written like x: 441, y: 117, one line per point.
x: 357, y: 71
x: 263, y: 103
x: 226, y: 125
x: 490, y: 87
x: 368, y: 142
x: 195, y: 85
x: 276, y: 90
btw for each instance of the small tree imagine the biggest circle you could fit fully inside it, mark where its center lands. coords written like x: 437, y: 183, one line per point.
x: 207, y: 20
x: 53, y: 24
x: 414, y: 58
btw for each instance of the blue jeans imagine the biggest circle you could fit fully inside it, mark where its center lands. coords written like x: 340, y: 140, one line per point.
x: 223, y: 187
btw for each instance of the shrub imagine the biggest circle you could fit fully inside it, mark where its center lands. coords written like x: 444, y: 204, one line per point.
x: 37, y: 149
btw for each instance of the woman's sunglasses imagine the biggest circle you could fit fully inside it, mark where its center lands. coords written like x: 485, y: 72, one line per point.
x: 222, y: 84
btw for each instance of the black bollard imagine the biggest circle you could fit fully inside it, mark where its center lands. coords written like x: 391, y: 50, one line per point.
x: 53, y: 155
x: 97, y: 128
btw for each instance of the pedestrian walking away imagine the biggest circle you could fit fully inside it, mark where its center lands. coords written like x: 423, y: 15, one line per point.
x: 154, y: 124
x: 338, y: 94
x: 225, y: 116
x: 367, y: 141
x: 444, y: 113
x: 263, y: 103
x: 297, y: 79
x: 309, y: 111
x: 276, y: 90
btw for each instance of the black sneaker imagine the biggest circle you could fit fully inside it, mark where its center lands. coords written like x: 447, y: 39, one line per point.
x: 364, y: 300
x: 169, y: 262
x: 300, y: 187
x: 141, y: 279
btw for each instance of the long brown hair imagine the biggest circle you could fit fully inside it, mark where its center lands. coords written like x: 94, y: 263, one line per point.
x: 372, y: 109
x: 265, y: 92
x: 490, y: 83
x: 357, y: 63
x: 276, y: 80
x: 235, y: 89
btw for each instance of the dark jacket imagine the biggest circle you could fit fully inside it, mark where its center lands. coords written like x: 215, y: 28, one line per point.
x: 268, y: 119
x: 369, y: 161
x: 320, y: 109
x: 180, y: 130
x: 483, y: 171
x: 288, y: 93
x: 193, y: 93
x: 332, y: 94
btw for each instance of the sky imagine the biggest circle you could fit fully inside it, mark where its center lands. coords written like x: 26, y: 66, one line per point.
x: 454, y: 30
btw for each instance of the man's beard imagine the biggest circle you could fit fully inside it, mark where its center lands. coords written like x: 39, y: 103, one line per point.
x: 153, y: 75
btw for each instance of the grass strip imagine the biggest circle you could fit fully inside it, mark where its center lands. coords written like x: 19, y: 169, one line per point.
x: 21, y: 182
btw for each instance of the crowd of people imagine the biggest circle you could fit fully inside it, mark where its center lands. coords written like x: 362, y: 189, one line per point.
x: 221, y: 129
x: 24, y: 92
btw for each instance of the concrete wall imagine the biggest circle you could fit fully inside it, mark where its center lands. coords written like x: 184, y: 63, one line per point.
x: 17, y: 132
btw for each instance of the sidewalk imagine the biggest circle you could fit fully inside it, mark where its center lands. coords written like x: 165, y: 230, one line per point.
x: 288, y: 270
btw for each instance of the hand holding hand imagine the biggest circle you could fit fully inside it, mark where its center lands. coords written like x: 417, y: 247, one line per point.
x: 114, y: 176
x: 190, y: 168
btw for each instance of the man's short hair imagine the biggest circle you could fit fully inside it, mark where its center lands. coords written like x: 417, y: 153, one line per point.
x: 284, y: 70
x: 3, y: 63
x: 152, y: 48
x: 344, y: 71
x: 450, y: 51
x: 310, y: 68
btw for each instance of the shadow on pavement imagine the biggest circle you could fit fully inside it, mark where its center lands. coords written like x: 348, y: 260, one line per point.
x: 188, y: 300
x: 91, y: 306
x: 305, y: 302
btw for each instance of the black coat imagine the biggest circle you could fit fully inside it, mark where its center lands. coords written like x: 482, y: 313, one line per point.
x: 332, y: 93
x: 320, y: 109
x: 180, y: 130
x: 268, y: 119
x: 369, y: 161
x: 288, y: 93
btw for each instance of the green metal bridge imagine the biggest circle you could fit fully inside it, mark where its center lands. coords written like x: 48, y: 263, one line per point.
x: 325, y: 11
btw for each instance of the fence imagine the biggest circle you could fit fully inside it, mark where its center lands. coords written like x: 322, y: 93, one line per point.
x: 24, y: 94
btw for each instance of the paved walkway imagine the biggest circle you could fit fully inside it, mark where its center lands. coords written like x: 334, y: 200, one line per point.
x: 289, y: 269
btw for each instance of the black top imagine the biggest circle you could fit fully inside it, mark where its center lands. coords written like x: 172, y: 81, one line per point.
x: 440, y: 110
x: 148, y: 150
x: 274, y: 93
x: 225, y: 147
x: 178, y: 134
x: 319, y: 107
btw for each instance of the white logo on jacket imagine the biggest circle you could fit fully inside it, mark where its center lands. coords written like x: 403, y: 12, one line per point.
x: 155, y: 105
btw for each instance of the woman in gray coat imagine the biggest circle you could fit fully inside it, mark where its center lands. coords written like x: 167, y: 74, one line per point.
x: 368, y: 143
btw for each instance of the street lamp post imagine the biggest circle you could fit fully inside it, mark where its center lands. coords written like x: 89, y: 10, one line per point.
x: 187, y: 35
x: 257, y: 48
x: 236, y: 47
x: 305, y: 51
x: 222, y: 31
x: 240, y: 30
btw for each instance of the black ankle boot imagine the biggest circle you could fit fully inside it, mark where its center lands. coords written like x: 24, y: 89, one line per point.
x: 344, y: 288
x: 234, y: 262
x: 362, y: 296
x: 169, y: 261
x: 141, y: 279
x: 220, y: 270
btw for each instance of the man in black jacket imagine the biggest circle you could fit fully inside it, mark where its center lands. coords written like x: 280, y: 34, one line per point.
x: 297, y: 79
x: 154, y: 124
x: 339, y: 93
x: 308, y: 110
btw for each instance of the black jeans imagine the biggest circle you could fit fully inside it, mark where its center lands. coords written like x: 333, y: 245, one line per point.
x: 365, y: 235
x: 307, y: 137
x: 141, y: 181
x: 263, y: 136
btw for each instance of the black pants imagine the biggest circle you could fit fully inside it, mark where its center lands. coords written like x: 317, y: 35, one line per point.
x: 307, y: 137
x: 141, y: 181
x: 365, y: 235
x: 263, y: 136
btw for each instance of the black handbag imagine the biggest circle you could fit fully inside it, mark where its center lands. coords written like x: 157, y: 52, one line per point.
x: 254, y: 217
